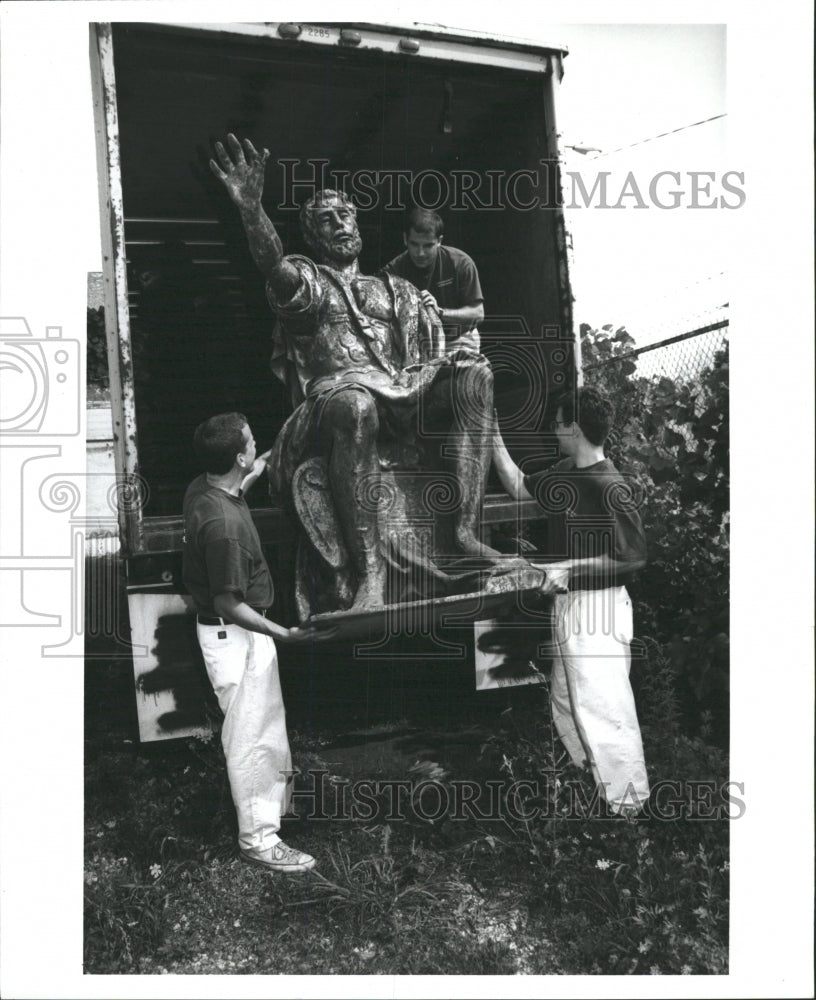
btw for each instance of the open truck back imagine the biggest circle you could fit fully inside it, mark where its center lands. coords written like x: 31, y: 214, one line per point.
x: 460, y: 123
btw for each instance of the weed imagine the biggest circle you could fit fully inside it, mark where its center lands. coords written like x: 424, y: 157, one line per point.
x: 523, y: 893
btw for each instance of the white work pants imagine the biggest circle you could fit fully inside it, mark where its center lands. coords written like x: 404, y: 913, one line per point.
x: 592, y: 702
x: 243, y: 670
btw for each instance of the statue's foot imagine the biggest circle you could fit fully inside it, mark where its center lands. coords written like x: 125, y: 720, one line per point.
x: 370, y: 593
x: 505, y: 563
x: 470, y: 545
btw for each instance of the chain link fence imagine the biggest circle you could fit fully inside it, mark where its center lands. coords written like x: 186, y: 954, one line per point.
x: 681, y: 329
x: 681, y: 358
x: 684, y: 359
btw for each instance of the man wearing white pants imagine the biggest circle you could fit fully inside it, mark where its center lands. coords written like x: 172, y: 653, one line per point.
x: 225, y: 572
x: 592, y: 703
x: 596, y: 535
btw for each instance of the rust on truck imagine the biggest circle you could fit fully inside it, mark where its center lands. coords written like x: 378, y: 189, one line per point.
x: 117, y: 318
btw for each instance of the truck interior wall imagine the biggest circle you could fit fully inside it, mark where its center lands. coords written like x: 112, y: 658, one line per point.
x: 200, y: 324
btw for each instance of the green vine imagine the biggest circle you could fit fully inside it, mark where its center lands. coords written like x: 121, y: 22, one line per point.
x: 672, y: 435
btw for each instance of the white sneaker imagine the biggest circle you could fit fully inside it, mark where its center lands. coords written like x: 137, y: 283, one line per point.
x: 280, y: 858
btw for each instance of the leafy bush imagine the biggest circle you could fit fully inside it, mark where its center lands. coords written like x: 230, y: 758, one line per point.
x: 96, y: 350
x: 672, y: 436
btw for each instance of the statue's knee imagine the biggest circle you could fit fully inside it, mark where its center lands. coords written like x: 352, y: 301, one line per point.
x: 464, y: 535
x: 473, y: 396
x: 475, y: 381
x: 354, y: 412
x: 485, y: 373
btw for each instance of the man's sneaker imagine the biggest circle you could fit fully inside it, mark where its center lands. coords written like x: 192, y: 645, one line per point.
x: 280, y: 858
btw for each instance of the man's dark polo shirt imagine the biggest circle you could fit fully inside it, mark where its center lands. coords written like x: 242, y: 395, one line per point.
x: 222, y: 550
x: 592, y: 511
x: 453, y: 281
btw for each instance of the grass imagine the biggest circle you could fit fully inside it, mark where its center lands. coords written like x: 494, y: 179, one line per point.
x: 165, y: 891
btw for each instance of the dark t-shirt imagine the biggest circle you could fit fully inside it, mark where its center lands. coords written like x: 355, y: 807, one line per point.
x: 453, y: 281
x: 591, y: 511
x: 222, y: 551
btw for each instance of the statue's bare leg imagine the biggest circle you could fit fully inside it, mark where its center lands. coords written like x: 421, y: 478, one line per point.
x: 469, y: 442
x: 354, y: 473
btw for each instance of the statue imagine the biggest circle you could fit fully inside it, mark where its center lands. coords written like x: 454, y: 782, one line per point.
x: 364, y: 359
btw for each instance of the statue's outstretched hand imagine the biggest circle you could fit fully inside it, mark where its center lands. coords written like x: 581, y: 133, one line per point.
x: 556, y: 579
x: 310, y: 633
x: 261, y: 463
x: 241, y: 171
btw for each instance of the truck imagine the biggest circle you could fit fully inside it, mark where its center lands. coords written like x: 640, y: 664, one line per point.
x: 455, y: 121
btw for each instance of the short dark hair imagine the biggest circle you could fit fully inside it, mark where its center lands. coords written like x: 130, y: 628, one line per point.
x: 317, y: 200
x: 591, y: 409
x: 423, y: 220
x: 218, y: 440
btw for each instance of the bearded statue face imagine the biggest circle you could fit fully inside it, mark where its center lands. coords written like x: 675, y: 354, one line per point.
x: 329, y: 223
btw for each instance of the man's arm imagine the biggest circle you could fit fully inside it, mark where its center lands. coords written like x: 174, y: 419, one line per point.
x: 602, y: 568
x: 231, y: 609
x: 258, y: 467
x: 511, y: 476
x: 605, y: 570
x: 469, y: 312
x: 242, y: 174
x: 431, y: 334
x: 465, y: 317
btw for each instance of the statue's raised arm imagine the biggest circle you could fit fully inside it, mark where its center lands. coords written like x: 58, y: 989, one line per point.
x: 241, y: 171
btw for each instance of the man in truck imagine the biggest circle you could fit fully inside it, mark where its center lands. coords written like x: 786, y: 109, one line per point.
x: 595, y: 535
x: 225, y: 572
x: 360, y: 348
x: 446, y: 278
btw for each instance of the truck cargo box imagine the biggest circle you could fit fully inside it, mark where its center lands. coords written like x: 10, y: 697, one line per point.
x: 461, y: 123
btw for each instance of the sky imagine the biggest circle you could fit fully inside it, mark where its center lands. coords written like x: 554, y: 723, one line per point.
x: 655, y: 270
